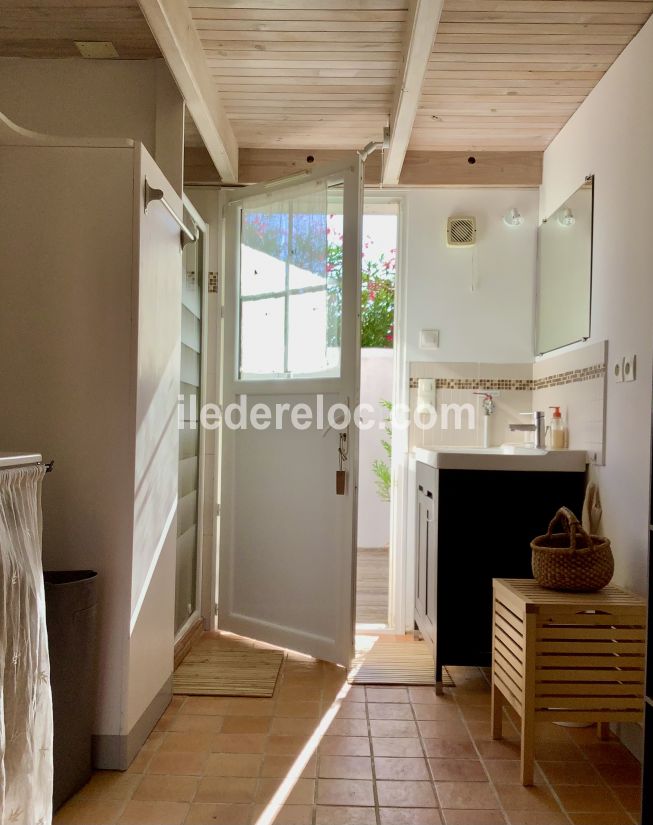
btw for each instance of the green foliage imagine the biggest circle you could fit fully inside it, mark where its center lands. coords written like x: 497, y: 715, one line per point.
x: 377, y: 298
x: 381, y: 469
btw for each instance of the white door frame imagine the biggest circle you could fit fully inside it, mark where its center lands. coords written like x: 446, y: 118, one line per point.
x: 342, y: 648
x: 399, y: 561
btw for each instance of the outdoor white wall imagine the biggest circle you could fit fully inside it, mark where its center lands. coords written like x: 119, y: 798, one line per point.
x: 611, y: 135
x: 493, y: 323
x: 376, y: 385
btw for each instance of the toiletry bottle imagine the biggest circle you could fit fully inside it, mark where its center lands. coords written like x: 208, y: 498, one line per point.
x: 557, y: 429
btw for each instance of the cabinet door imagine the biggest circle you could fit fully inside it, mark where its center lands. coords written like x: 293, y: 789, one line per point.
x: 422, y: 555
x: 425, y: 562
x: 431, y: 559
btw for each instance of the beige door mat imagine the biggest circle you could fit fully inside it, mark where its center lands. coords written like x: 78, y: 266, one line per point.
x: 396, y: 663
x: 209, y: 671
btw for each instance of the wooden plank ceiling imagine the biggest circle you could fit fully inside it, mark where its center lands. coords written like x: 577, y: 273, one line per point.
x: 318, y: 74
x: 49, y: 28
x: 295, y: 73
x: 508, y: 74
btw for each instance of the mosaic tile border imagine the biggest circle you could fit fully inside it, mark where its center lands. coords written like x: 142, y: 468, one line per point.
x: 570, y: 377
x: 518, y: 384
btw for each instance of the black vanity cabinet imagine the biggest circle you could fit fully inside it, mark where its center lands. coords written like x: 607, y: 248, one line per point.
x: 473, y: 526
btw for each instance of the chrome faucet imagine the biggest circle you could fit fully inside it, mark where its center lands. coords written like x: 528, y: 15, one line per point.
x: 536, y: 427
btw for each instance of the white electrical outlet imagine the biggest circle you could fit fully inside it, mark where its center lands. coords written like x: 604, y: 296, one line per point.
x: 618, y: 370
x: 630, y: 367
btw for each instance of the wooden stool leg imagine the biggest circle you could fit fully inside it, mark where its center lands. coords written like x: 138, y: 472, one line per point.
x: 528, y: 702
x: 603, y: 730
x: 497, y: 713
x: 527, y: 746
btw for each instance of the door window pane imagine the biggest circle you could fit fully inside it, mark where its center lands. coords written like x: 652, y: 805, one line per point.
x: 262, y: 324
x: 290, y: 298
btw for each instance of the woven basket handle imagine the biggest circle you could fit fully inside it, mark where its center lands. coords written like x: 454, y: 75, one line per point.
x: 571, y: 525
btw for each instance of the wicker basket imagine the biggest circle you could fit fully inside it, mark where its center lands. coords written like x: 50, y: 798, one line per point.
x: 573, y: 560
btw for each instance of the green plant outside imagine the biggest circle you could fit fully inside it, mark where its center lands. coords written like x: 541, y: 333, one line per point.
x: 377, y: 298
x: 381, y: 469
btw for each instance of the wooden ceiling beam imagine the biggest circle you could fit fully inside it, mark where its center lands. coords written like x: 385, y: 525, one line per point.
x: 420, y: 168
x: 172, y: 25
x: 421, y: 27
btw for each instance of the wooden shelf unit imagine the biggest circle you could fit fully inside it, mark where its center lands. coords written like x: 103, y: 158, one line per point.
x: 566, y: 657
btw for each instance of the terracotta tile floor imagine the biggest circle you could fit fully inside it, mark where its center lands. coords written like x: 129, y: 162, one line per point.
x: 322, y: 753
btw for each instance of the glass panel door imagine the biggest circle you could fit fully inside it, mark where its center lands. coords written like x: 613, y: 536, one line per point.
x: 190, y: 388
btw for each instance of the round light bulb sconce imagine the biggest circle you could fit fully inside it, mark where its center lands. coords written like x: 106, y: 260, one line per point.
x: 513, y: 218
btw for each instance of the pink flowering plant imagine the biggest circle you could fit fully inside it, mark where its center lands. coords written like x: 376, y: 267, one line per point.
x: 270, y: 233
x: 377, y: 293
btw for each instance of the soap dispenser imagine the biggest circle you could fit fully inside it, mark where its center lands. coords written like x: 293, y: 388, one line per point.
x: 557, y: 429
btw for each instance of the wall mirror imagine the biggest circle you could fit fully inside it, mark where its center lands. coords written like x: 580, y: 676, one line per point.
x: 565, y: 271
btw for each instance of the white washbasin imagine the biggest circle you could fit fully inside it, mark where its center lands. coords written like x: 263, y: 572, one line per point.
x: 521, y: 449
x: 516, y: 457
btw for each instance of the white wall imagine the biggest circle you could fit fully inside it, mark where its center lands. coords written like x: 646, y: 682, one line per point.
x: 65, y: 345
x: 89, y: 336
x: 376, y: 385
x: 73, y: 97
x: 493, y: 323
x: 611, y: 135
x: 156, y: 334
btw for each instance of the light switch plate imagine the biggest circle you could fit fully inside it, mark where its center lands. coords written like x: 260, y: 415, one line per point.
x: 429, y: 338
x: 630, y: 367
x: 618, y: 370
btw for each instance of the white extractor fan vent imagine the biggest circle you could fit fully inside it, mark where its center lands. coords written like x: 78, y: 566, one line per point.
x: 461, y: 231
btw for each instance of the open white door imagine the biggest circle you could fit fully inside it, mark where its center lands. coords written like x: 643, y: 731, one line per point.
x: 292, y: 356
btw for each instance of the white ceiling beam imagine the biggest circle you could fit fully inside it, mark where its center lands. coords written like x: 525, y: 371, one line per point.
x: 421, y: 28
x: 173, y: 29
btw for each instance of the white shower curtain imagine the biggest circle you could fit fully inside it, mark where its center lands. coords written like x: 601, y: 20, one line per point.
x: 25, y: 695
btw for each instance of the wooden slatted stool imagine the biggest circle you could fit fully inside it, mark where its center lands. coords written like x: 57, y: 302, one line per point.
x: 566, y: 657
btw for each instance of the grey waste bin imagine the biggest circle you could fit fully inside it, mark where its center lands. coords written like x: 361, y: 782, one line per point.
x: 71, y: 615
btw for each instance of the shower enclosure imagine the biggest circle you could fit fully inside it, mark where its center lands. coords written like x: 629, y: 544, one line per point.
x: 191, y: 437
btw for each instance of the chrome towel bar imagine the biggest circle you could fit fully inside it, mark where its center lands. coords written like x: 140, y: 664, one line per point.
x: 152, y: 194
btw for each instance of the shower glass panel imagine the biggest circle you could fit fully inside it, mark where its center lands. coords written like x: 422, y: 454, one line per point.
x: 189, y: 437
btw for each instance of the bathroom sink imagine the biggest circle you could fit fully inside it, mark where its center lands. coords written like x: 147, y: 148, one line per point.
x: 521, y: 449
x: 515, y: 457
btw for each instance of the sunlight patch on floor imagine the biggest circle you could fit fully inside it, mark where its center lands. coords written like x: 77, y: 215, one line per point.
x: 282, y: 793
